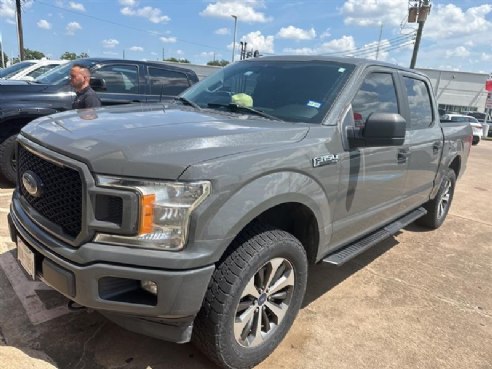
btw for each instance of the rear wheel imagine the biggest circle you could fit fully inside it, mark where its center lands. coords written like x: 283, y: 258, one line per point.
x: 8, y: 163
x: 438, y: 208
x: 476, y: 140
x: 253, y: 298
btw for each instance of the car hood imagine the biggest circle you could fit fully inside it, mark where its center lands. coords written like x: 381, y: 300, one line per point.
x: 156, y: 140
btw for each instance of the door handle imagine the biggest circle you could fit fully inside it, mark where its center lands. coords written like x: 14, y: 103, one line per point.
x: 436, y: 147
x: 403, y: 155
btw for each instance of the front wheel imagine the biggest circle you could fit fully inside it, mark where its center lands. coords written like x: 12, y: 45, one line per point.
x: 8, y: 163
x: 253, y: 298
x: 438, y: 208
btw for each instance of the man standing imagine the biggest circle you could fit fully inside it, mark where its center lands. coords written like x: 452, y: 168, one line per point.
x: 85, y: 96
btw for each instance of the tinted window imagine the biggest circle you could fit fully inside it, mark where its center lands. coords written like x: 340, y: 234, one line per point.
x: 377, y: 94
x: 167, y: 82
x: 419, y: 103
x: 118, y: 78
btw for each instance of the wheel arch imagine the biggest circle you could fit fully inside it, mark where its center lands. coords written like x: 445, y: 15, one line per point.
x: 293, y: 202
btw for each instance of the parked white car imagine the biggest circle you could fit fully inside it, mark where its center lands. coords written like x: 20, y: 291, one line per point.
x: 35, y: 70
x: 477, y: 127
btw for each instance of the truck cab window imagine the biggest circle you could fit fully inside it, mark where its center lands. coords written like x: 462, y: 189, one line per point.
x: 167, y: 82
x: 118, y: 78
x: 376, y: 94
x: 419, y: 103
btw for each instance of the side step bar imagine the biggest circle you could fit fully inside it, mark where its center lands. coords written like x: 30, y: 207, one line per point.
x: 348, y: 252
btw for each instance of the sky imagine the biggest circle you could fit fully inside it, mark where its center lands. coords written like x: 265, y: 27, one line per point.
x: 457, y: 35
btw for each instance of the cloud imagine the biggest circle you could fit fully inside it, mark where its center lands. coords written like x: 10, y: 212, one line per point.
x: 207, y: 54
x: 486, y: 57
x: 152, y: 14
x: 294, y: 33
x: 7, y: 9
x: 222, y: 31
x: 342, y: 45
x: 168, y: 40
x: 136, y: 48
x: 128, y: 2
x: 458, y: 22
x: 373, y: 13
x: 180, y: 52
x: 110, y: 43
x: 459, y: 51
x: 76, y: 6
x: 256, y: 41
x: 325, y: 34
x: 72, y: 27
x: 245, y: 12
x: 44, y: 24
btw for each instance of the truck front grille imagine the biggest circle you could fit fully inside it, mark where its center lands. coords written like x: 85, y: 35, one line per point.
x: 61, y: 199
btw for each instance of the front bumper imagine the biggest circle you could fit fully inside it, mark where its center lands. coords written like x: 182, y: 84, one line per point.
x: 114, y: 288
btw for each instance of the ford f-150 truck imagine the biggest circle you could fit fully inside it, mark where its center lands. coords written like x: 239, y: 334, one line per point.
x: 197, y: 219
x: 116, y: 81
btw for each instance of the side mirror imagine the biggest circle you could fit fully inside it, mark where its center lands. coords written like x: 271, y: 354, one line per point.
x: 380, y: 129
x: 98, y: 84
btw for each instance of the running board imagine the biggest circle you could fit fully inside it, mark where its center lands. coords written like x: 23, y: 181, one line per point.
x: 348, y: 252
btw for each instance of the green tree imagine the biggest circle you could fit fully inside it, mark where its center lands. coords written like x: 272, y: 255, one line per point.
x: 33, y: 54
x: 5, y: 59
x: 174, y: 60
x: 218, y: 63
x: 82, y: 55
x: 68, y: 56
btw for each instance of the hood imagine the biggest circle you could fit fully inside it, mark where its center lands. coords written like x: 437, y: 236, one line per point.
x: 155, y: 140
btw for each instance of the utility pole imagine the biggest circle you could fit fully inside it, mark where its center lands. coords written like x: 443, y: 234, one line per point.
x: 418, y: 13
x: 234, y: 40
x: 379, y: 40
x: 19, y: 29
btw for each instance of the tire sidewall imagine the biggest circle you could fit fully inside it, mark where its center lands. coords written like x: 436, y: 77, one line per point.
x: 295, y: 254
x: 7, y: 149
x: 451, y: 177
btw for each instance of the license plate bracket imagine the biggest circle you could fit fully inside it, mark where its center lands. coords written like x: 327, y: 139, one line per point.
x: 26, y: 258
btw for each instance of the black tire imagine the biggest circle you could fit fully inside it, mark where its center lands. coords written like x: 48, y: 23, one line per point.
x: 259, y: 254
x: 7, y: 159
x: 476, y: 140
x: 438, y: 208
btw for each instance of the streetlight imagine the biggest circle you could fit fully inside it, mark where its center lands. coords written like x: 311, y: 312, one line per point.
x: 234, y: 41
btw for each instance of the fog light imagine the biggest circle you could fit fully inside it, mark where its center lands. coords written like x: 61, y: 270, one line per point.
x: 149, y: 286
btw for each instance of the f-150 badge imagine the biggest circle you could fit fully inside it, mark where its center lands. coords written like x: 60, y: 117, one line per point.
x: 319, y: 161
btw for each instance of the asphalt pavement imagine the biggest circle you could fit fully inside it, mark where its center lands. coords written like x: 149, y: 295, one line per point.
x: 421, y: 299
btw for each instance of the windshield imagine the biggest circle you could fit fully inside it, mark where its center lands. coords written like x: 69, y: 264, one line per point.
x: 60, y: 74
x: 294, y: 91
x: 56, y: 75
x: 14, y: 69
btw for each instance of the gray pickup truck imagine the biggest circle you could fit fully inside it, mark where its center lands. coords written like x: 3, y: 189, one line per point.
x: 197, y: 219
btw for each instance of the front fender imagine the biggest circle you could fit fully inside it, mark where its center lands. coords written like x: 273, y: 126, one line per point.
x: 223, y: 220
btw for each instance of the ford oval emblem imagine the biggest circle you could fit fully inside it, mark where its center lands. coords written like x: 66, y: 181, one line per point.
x: 32, y: 183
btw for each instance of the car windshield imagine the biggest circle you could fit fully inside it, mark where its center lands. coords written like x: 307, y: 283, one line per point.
x: 15, y: 68
x: 293, y: 91
x: 56, y: 75
x: 60, y: 74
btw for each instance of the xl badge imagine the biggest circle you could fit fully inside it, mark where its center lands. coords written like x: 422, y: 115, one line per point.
x: 32, y: 183
x: 319, y: 161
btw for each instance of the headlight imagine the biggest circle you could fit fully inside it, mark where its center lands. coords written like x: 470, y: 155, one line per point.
x: 165, y: 209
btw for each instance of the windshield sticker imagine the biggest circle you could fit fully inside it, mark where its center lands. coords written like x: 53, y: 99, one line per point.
x: 341, y: 70
x: 314, y: 104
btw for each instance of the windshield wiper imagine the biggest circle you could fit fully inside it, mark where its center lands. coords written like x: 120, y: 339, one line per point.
x: 236, y: 108
x: 186, y: 101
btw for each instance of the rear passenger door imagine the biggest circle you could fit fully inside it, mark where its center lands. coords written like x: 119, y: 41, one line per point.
x: 164, y: 84
x: 424, y: 140
x: 120, y: 84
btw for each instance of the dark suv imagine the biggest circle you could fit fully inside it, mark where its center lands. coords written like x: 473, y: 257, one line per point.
x: 116, y: 82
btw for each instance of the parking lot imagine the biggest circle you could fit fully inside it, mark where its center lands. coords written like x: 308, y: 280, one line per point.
x: 421, y: 299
